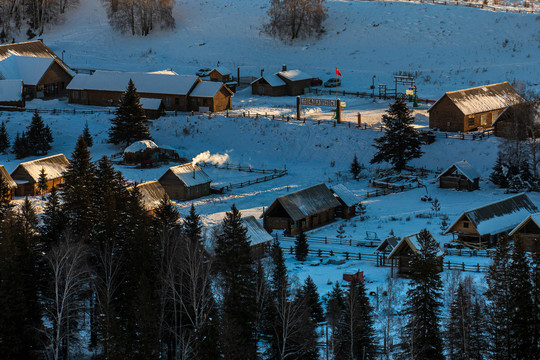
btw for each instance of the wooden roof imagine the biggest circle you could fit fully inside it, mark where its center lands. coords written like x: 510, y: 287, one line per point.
x: 7, y: 178
x: 256, y: 232
x: 462, y: 167
x: 412, y: 242
x: 54, y: 167
x: 483, y: 98
x: 304, y: 203
x: 345, y: 195
x: 190, y: 175
x: 151, y: 194
x: 34, y: 48
x: 391, y: 241
x: 527, y: 108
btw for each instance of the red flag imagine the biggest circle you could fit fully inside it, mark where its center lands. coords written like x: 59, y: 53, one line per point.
x: 338, y: 72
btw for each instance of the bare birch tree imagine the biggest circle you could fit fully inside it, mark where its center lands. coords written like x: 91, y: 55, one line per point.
x: 293, y: 19
x: 140, y: 17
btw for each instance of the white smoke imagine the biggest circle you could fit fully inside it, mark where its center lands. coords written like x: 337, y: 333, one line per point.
x: 214, y: 159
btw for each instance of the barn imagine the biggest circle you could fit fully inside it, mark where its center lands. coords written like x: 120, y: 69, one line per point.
x: 11, y: 93
x: 472, y: 109
x: 403, y: 252
x: 186, y: 182
x: 461, y: 176
x: 283, y: 83
x: 210, y: 96
x: 301, y: 210
x: 8, y: 180
x: 151, y: 194
x: 26, y: 174
x: 528, y: 231
x: 518, y: 121
x: 482, y: 226
x: 153, y: 108
x: 260, y: 240
x: 146, y: 153
x: 105, y: 88
x: 347, y: 200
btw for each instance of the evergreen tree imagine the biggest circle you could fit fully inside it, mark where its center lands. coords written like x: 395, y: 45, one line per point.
x: 301, y: 246
x: 355, y: 168
x: 87, y: 136
x: 130, y: 124
x: 498, y: 175
x: 400, y: 142
x: 421, y: 334
x: 166, y: 216
x: 535, y: 282
x: 4, y: 139
x: 192, y: 226
x: 54, y: 222
x: 5, y: 197
x: 42, y: 182
x: 21, y: 148
x: 39, y: 136
x: 311, y: 297
x: 236, y: 269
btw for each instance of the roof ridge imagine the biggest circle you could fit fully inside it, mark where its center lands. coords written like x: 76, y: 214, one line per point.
x: 496, y: 202
x: 477, y: 87
x: 40, y: 159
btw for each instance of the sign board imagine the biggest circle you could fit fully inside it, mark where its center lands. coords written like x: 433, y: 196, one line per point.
x: 409, y: 92
x: 318, y: 102
x: 343, y: 104
x: 204, y: 109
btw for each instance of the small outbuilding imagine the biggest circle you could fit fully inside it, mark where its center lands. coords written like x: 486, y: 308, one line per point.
x: 472, y: 109
x: 301, y: 210
x: 519, y: 121
x: 8, y: 180
x: 283, y: 83
x: 210, y: 96
x: 347, y: 200
x: 153, y: 108
x: 220, y: 73
x: 461, y: 176
x: 11, y: 93
x: 151, y: 194
x: 403, y: 252
x: 386, y: 247
x: 269, y: 85
x: 483, y: 226
x: 260, y: 240
x: 528, y: 231
x: 26, y: 174
x: 186, y: 182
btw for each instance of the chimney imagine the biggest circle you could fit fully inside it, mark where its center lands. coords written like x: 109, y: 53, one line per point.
x: 262, y: 72
x: 194, y: 171
x: 284, y: 67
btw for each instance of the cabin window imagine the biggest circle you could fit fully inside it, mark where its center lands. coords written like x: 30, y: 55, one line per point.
x: 83, y: 95
x: 188, y: 191
x: 483, y: 120
x: 75, y: 95
x: 176, y: 101
x: 197, y: 188
x: 465, y: 225
x: 493, y: 116
x: 471, y: 121
x: 168, y: 101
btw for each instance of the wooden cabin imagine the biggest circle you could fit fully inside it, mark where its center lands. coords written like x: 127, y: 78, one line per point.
x: 269, y: 85
x: 6, y: 178
x: 472, y: 109
x: 260, y: 240
x: 461, y: 176
x: 26, y: 174
x: 347, y: 200
x: 302, y: 210
x: 186, y: 182
x: 147, y: 153
x: 283, y: 83
x: 151, y: 194
x: 221, y: 74
x: 386, y: 247
x: 11, y: 93
x: 528, y: 231
x: 35, y: 48
x: 153, y: 108
x: 210, y: 96
x: 403, y: 252
x: 105, y: 88
x: 481, y: 227
x: 518, y: 121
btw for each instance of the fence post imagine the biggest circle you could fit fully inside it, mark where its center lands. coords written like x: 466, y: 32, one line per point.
x: 448, y: 264
x: 325, y: 240
x: 360, y: 256
x: 350, y: 242
x: 319, y: 253
x: 346, y: 255
x: 463, y: 266
x: 292, y: 250
x: 331, y: 252
x: 478, y: 267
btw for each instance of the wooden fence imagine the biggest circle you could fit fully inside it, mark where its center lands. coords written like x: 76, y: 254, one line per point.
x: 469, y: 252
x: 334, y: 241
x: 388, y: 190
x: 499, y: 6
x: 274, y: 174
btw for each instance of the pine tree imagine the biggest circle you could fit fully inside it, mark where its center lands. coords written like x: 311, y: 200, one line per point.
x: 21, y: 148
x: 301, y: 246
x: 310, y: 295
x: 335, y: 307
x: 166, y: 216
x: 39, y: 136
x: 498, y: 175
x: 341, y: 233
x: 4, y: 139
x: 535, y: 310
x: 5, y: 197
x: 130, y: 124
x: 54, y: 222
x: 87, y: 136
x: 355, y: 168
x: 42, y: 183
x: 436, y: 207
x: 400, y: 142
x: 237, y: 272
x: 192, y: 226
x: 421, y: 334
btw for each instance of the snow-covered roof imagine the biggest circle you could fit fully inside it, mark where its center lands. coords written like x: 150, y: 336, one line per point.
x: 164, y: 72
x: 54, y: 167
x: 140, y: 146
x: 190, y: 175
x: 273, y: 80
x: 256, y: 232
x: 222, y: 70
x: 206, y: 89
x: 463, y: 167
x: 345, y: 195
x: 7, y: 178
x: 414, y: 244
x: 11, y: 90
x: 295, y: 75
x: 500, y: 216
x: 151, y: 194
x: 144, y: 82
x: 521, y: 111
x: 35, y: 48
x: 26, y: 68
x: 483, y: 98
x: 313, y: 200
x: 150, y: 104
x: 391, y: 242
x: 534, y: 218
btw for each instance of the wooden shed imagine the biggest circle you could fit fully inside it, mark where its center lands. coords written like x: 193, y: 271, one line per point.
x: 11, y: 93
x: 283, y: 83
x: 147, y: 153
x: 221, y: 74
x: 186, y: 182
x: 26, y: 174
x: 153, y: 108
x: 269, y: 85
x: 210, y: 96
x: 528, y: 231
x: 472, y: 109
x: 347, y: 200
x: 260, y: 240
x: 12, y: 185
x: 304, y: 209
x: 105, y: 88
x: 483, y: 226
x: 519, y: 121
x: 151, y: 194
x: 403, y: 252
x: 461, y: 176
x: 386, y: 247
